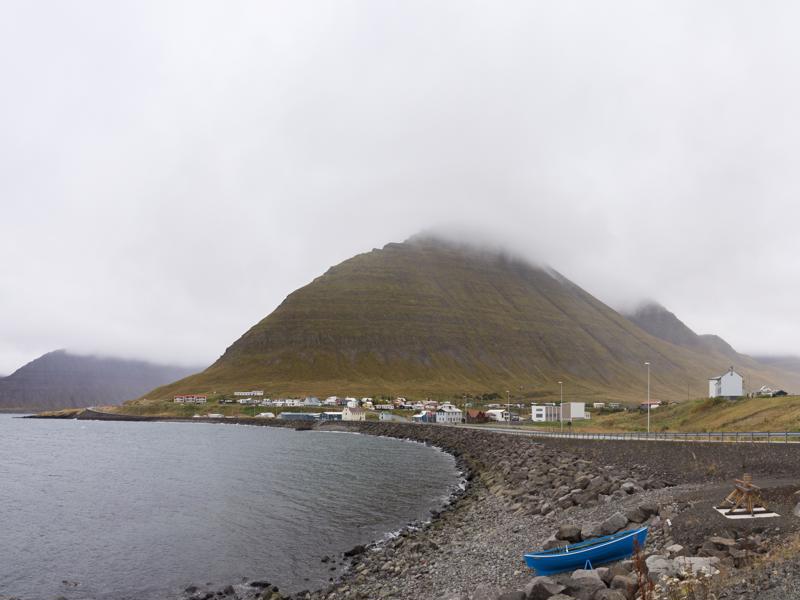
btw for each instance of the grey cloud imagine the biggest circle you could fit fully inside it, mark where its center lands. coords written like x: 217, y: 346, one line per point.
x: 172, y: 170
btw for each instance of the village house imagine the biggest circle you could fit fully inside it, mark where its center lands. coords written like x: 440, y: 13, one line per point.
x: 253, y: 393
x: 293, y: 416
x: 447, y: 413
x: 424, y: 417
x: 331, y: 416
x: 728, y: 385
x: 497, y: 414
x: 351, y: 402
x: 331, y: 401
x: 476, y: 416
x: 190, y: 399
x: 654, y: 404
x: 384, y: 406
x: 353, y: 413
x: 311, y: 401
x: 768, y: 392
x: 247, y: 401
x: 387, y: 416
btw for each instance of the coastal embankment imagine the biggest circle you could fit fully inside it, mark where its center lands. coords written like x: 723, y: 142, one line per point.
x: 525, y: 493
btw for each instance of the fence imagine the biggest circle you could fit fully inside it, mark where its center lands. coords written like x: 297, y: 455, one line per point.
x: 750, y: 437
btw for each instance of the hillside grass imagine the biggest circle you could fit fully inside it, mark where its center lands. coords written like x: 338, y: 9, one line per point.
x: 748, y: 414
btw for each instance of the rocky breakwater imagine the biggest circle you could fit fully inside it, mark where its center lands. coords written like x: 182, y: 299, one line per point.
x: 520, y: 491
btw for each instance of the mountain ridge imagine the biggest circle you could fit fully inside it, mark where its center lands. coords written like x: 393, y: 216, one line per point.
x: 62, y: 379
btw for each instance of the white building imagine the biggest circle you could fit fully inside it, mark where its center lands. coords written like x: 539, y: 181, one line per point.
x: 331, y: 401
x: 266, y: 415
x: 253, y: 393
x: 447, y: 413
x: 312, y: 401
x: 497, y: 414
x: 351, y: 402
x: 353, y: 414
x: 541, y: 413
x: 728, y: 385
x: 574, y: 411
x: 190, y: 399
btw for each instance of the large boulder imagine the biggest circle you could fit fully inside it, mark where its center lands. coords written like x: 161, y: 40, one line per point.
x: 613, y: 523
x: 584, y: 587
x: 590, y: 530
x: 541, y: 588
x: 635, y: 515
x: 649, y: 508
x: 553, y: 542
x: 484, y: 591
x: 570, y: 533
x: 626, y: 584
x: 659, y: 566
x: 697, y: 564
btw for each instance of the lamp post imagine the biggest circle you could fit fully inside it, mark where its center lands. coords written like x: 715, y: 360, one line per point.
x: 508, y: 405
x: 647, y: 364
x: 561, y: 406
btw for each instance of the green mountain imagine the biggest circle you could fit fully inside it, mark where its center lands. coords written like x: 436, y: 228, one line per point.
x: 431, y: 318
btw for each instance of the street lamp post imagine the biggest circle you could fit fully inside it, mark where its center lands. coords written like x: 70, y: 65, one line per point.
x: 561, y: 406
x: 508, y: 405
x: 647, y: 364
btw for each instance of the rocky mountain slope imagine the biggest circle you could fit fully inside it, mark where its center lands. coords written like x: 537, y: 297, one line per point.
x: 427, y: 317
x: 60, y: 379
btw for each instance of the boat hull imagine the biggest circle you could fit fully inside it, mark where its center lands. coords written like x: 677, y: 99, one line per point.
x: 595, y: 552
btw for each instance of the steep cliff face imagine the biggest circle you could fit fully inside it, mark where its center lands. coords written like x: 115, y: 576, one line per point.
x: 63, y: 380
x: 429, y: 317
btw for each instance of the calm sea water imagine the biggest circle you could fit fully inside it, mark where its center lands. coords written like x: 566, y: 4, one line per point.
x: 141, y: 510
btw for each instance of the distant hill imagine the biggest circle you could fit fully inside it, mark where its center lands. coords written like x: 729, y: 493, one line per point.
x: 61, y: 379
x: 663, y: 324
x: 427, y: 317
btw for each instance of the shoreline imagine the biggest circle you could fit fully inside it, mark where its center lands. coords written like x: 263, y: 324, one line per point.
x: 517, y: 492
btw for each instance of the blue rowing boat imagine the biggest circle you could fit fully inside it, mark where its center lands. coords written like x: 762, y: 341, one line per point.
x: 585, y: 554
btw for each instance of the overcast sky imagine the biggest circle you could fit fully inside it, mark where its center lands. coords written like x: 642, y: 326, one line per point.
x: 170, y: 171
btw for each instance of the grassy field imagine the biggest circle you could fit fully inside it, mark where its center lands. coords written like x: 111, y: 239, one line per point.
x: 750, y: 414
